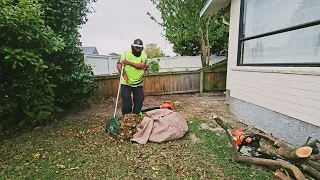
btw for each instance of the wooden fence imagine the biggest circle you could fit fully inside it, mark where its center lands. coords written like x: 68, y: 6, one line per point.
x: 214, y: 79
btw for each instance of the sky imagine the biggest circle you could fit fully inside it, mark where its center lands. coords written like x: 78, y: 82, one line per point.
x: 116, y: 23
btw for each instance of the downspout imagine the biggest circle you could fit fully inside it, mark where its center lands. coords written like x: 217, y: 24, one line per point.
x: 224, y: 21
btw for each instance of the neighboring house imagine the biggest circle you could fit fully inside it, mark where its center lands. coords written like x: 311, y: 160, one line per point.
x: 90, y: 50
x: 273, y: 79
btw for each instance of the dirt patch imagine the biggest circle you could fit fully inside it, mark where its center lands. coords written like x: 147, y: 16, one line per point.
x: 206, y: 126
x: 194, y: 138
x: 191, y: 106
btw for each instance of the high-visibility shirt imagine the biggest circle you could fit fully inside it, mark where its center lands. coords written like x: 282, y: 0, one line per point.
x: 135, y: 76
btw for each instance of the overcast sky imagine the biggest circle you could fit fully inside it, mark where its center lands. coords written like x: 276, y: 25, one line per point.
x: 116, y: 23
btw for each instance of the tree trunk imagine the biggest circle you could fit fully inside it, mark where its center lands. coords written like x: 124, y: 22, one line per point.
x: 208, y: 43
x: 203, y: 51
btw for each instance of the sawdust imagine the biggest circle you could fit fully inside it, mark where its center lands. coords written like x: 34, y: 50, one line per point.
x: 205, y: 126
x: 194, y: 138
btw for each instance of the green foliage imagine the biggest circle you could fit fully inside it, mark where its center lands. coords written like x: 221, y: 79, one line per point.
x: 154, y: 65
x: 185, y: 28
x: 153, y: 51
x: 74, y: 81
x: 41, y: 68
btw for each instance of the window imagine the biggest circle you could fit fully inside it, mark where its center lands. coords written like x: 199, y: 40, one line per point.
x: 279, y: 33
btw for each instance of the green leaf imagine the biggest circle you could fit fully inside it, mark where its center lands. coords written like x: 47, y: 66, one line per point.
x: 14, y: 65
x: 7, y: 57
x: 44, y: 66
x: 21, y: 64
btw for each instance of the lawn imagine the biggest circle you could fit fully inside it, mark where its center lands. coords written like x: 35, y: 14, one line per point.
x: 79, y: 148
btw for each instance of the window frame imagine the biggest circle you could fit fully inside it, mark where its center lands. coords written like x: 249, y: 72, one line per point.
x: 279, y: 31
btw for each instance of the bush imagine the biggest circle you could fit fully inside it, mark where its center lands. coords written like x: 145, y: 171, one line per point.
x: 42, y: 70
x: 74, y: 82
x: 154, y: 65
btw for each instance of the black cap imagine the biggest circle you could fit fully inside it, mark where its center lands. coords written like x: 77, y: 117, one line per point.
x: 138, y: 43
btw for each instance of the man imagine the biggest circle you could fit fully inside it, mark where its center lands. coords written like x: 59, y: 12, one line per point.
x: 134, y: 61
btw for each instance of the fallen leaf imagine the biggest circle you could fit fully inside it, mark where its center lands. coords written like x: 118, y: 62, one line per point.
x: 75, y: 168
x: 61, y: 166
x: 36, y: 155
x: 67, y: 174
x: 17, y: 158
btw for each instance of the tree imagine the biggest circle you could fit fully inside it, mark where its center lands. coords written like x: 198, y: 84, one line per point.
x: 188, y: 31
x: 153, y: 51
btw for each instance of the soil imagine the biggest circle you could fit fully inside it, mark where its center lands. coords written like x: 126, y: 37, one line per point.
x: 194, y: 106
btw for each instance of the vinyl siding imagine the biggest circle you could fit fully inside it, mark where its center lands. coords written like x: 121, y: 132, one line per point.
x: 292, y: 94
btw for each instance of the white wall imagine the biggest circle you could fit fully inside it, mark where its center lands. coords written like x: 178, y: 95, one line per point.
x: 185, y: 63
x: 102, y: 64
x: 293, y: 91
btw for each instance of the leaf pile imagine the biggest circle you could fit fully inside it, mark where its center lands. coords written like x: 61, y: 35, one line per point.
x: 128, y: 126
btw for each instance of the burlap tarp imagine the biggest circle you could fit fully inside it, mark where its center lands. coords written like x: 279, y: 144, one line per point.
x: 160, y: 125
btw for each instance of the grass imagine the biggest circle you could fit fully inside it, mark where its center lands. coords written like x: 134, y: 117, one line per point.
x: 82, y: 150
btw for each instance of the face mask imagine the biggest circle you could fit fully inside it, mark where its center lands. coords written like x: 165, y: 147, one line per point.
x: 135, y: 52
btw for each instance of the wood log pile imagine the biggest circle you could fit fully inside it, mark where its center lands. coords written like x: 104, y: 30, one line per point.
x: 290, y: 163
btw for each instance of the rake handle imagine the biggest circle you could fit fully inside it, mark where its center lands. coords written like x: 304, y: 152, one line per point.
x: 115, y: 108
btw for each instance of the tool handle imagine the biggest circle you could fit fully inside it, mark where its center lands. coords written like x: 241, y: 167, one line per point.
x: 115, y: 108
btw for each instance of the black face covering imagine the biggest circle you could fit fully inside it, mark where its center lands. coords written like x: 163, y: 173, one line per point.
x: 136, y: 53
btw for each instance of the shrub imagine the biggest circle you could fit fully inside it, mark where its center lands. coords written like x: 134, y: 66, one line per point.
x: 42, y: 69
x: 27, y: 95
x: 154, y: 65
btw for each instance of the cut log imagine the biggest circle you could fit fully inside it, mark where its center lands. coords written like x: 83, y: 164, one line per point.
x: 313, y: 145
x: 315, y: 158
x: 310, y: 171
x: 275, y: 142
x: 314, y: 165
x: 280, y: 175
x: 236, y: 157
x: 295, y: 154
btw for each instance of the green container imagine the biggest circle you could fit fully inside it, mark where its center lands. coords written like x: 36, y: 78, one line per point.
x: 113, y: 127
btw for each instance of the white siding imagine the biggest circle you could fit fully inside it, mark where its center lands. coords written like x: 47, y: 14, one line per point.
x: 293, y: 94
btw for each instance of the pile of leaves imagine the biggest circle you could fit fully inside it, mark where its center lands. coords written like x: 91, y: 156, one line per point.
x: 128, y: 126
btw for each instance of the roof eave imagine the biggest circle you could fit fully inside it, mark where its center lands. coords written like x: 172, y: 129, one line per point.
x: 213, y: 6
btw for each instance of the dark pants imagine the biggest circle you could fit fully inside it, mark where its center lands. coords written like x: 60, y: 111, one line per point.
x: 138, y: 98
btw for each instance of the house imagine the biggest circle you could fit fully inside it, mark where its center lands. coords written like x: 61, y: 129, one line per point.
x: 273, y: 79
x: 90, y: 50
